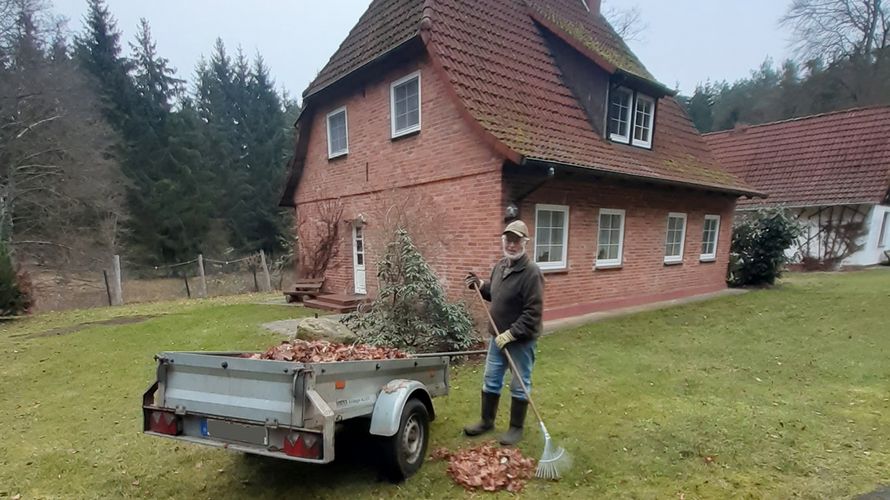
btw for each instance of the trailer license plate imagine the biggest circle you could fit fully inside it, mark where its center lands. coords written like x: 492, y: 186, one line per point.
x: 231, y: 431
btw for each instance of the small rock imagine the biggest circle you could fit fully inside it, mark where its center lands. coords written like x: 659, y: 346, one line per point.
x: 324, y: 329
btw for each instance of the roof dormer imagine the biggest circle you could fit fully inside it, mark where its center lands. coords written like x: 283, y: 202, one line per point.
x: 631, y: 117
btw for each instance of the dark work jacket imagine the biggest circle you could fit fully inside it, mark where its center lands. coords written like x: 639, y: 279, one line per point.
x: 516, y: 294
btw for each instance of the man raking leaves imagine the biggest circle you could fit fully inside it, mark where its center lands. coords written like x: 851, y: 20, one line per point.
x: 516, y: 294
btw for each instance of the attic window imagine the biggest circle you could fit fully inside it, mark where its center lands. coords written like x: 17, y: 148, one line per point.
x: 405, y: 105
x: 631, y: 117
x: 338, y: 137
x: 645, y: 109
x: 619, y: 114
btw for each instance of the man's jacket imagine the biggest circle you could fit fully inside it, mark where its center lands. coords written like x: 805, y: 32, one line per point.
x: 516, y: 293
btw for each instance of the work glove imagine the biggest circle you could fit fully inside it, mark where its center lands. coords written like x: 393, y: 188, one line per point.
x: 471, y: 280
x: 504, y: 339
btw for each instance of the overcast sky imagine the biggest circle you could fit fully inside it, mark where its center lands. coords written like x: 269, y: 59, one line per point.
x: 686, y: 41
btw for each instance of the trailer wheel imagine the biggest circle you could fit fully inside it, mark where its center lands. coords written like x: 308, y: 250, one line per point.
x: 403, y: 454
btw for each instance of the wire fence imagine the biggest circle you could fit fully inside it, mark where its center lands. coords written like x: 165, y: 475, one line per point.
x: 123, y: 281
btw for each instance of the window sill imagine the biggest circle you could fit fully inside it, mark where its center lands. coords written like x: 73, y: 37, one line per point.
x: 707, y: 260
x: 607, y: 267
x: 338, y: 156
x: 673, y: 263
x: 632, y: 145
x: 404, y: 134
x: 553, y: 270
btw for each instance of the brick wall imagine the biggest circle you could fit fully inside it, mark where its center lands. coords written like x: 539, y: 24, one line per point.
x: 450, y: 189
x: 643, y: 275
x: 443, y: 183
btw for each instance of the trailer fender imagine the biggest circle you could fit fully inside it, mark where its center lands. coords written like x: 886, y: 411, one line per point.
x: 391, y: 401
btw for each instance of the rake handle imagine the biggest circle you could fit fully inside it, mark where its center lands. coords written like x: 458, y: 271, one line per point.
x: 516, y: 375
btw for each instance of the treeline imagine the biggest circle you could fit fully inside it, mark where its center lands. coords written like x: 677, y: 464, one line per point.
x: 774, y: 93
x: 106, y: 148
x: 843, y: 61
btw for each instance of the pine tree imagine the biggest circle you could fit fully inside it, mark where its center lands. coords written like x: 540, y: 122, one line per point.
x: 247, y: 139
x: 98, y: 50
x: 267, y: 150
x: 168, y: 201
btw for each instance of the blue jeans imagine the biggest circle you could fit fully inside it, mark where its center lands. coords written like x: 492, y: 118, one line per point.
x: 496, y: 366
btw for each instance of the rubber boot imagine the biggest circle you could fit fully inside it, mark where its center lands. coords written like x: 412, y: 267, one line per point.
x: 489, y: 412
x: 518, y: 409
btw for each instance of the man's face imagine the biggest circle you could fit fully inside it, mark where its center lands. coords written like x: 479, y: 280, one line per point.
x: 514, y: 245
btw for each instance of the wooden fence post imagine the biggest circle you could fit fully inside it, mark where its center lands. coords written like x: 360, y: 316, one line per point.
x: 267, y: 279
x: 116, y: 288
x: 203, y: 284
x: 107, y: 286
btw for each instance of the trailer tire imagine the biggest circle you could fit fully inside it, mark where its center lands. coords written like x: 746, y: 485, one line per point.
x: 403, y: 453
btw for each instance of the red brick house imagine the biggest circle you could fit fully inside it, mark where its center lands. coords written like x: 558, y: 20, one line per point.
x: 486, y: 109
x: 830, y: 170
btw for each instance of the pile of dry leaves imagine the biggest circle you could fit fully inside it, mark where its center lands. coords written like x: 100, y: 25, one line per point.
x: 321, y: 351
x: 488, y: 467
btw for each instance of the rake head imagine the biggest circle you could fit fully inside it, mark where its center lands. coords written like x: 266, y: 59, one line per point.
x: 554, y: 461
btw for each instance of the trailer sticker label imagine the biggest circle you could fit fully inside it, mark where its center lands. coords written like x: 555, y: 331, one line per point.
x: 345, y: 403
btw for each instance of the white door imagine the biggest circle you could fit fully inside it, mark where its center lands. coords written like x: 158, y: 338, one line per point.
x: 358, y: 259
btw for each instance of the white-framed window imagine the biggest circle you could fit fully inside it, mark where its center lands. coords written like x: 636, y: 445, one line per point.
x: 620, y: 103
x: 405, y: 105
x: 631, y: 118
x: 610, y: 238
x: 551, y: 236
x: 883, y: 236
x: 338, y: 133
x: 709, y: 237
x: 643, y: 114
x: 675, y: 238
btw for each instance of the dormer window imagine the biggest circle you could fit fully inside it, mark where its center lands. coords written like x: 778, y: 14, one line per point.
x: 645, y: 109
x: 619, y: 115
x: 631, y: 117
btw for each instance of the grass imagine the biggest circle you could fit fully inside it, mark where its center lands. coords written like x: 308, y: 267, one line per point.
x: 773, y: 394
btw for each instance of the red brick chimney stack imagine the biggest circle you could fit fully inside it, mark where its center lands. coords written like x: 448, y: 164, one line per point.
x: 594, y: 6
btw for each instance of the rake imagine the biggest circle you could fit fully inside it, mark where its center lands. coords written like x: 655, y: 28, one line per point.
x: 555, y: 460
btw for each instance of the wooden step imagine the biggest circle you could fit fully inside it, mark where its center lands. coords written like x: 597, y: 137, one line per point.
x: 342, y: 299
x: 329, y: 306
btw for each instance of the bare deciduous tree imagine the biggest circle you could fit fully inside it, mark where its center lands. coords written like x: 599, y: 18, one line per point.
x: 318, y: 233
x: 57, y: 177
x: 627, y: 22
x: 835, y: 29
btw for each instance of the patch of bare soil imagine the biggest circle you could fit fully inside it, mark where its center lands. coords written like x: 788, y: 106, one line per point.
x: 66, y: 330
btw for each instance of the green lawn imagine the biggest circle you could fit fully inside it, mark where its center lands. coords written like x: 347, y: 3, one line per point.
x: 786, y: 391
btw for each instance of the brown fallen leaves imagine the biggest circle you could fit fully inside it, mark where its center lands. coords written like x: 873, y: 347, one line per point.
x: 322, y: 351
x: 488, y: 467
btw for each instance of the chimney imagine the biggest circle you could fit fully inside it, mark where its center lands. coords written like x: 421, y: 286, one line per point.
x: 592, y: 5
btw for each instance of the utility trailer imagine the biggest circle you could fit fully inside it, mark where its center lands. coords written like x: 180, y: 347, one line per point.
x: 291, y: 410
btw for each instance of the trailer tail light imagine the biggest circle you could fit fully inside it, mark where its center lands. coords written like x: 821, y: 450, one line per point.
x: 303, y: 445
x: 164, y: 422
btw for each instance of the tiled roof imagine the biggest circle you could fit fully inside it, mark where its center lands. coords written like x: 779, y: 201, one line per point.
x: 592, y: 31
x: 831, y: 159
x: 384, y: 26
x: 501, y: 68
x: 494, y: 54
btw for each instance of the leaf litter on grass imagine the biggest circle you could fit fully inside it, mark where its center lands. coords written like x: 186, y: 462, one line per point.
x: 488, y: 467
